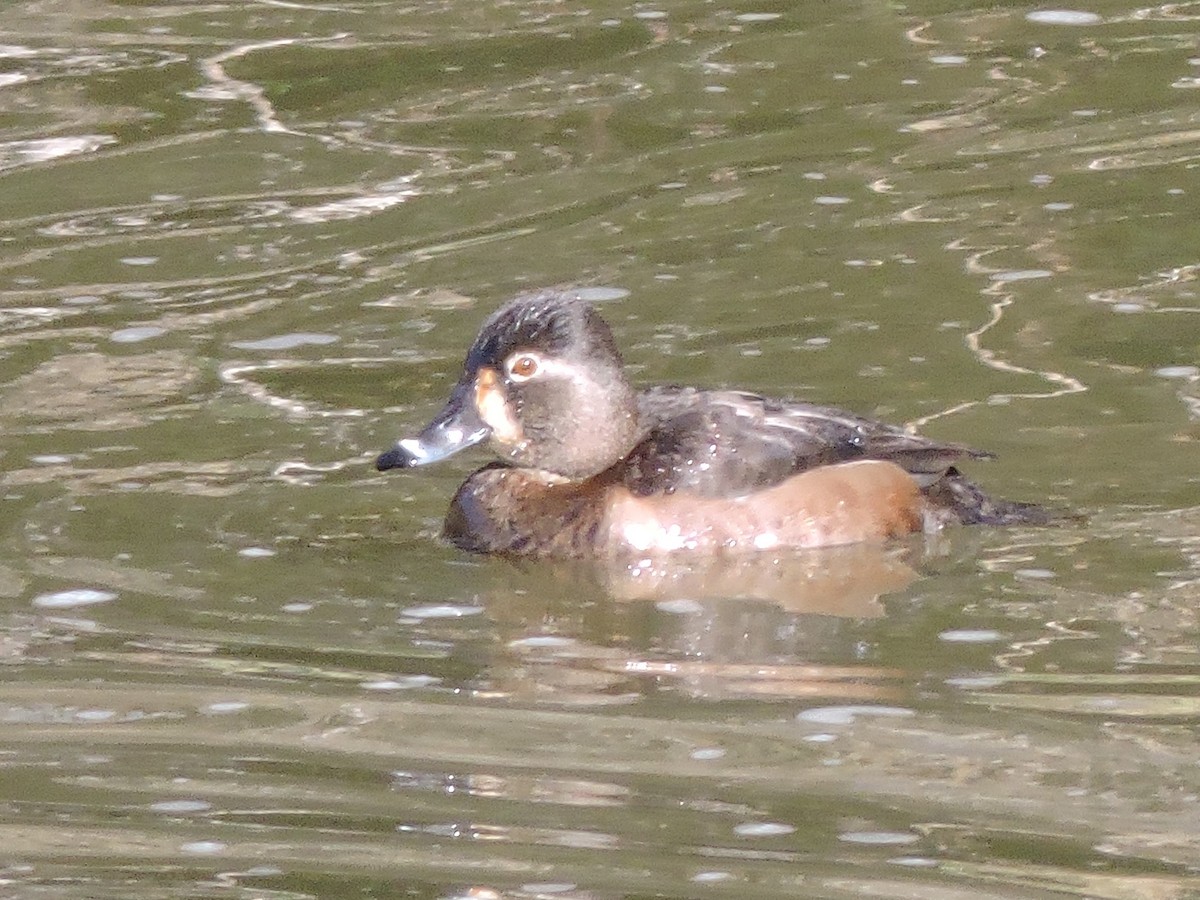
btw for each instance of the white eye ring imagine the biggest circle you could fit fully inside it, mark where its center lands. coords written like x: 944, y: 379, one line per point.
x: 523, y: 365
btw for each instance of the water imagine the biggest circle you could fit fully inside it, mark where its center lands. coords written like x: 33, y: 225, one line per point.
x: 243, y: 250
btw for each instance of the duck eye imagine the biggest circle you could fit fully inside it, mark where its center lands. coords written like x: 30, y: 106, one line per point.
x: 523, y: 366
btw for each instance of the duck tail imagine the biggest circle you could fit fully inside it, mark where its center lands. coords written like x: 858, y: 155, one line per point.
x: 955, y: 497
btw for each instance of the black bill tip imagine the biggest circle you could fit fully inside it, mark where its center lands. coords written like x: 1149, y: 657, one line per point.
x: 396, y: 458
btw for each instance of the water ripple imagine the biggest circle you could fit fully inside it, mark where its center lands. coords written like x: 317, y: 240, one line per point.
x: 14, y: 154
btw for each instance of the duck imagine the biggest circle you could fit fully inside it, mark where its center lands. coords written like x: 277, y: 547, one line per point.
x: 587, y: 465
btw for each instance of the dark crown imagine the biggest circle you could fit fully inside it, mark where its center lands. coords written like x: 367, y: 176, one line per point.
x: 555, y: 322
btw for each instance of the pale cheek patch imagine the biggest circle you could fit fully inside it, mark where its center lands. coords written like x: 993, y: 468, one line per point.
x: 492, y: 406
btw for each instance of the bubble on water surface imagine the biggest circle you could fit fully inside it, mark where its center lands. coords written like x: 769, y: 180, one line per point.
x: 1177, y: 371
x: 136, y: 334
x: 680, y: 607
x: 181, y: 807
x: 96, y: 715
x: 440, y: 611
x: 297, y: 607
x: 1021, y: 275
x: 1034, y: 573
x: 845, y: 715
x: 400, y: 684
x: 762, y: 829
x: 974, y: 682
x: 970, y: 636
x: 39, y: 150
x: 1063, y: 17
x: 256, y: 552
x: 601, y: 294
x: 225, y: 707
x: 350, y: 207
x: 82, y: 300
x: 878, y: 838
x: 73, y: 598
x: 542, y: 641
x: 287, y: 341
x: 203, y: 848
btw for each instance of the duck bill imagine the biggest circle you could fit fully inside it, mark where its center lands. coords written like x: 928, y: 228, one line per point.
x: 455, y: 428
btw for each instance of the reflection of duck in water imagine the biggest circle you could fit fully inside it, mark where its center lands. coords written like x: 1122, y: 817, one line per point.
x: 716, y: 626
x: 594, y: 467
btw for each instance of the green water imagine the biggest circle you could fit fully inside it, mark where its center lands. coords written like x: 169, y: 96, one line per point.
x: 244, y: 248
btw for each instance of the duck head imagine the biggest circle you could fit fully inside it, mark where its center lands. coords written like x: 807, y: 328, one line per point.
x: 544, y: 386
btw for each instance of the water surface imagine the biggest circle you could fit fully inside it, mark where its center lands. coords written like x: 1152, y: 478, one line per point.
x: 244, y: 247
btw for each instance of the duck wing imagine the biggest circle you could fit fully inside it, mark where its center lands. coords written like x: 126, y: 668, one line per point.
x: 726, y: 443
